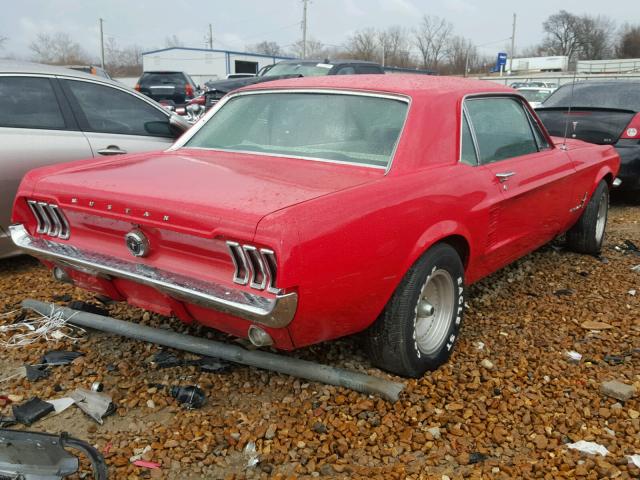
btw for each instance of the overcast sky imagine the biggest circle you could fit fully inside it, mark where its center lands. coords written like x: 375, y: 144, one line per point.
x: 239, y: 23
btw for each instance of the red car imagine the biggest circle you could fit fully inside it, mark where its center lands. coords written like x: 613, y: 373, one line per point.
x: 307, y: 209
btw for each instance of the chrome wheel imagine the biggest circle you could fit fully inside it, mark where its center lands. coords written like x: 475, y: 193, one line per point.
x: 434, y: 312
x: 601, y: 218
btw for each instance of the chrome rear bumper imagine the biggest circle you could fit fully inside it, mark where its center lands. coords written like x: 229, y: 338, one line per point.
x: 276, y: 311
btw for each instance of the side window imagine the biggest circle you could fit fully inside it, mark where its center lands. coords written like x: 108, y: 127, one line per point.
x: 109, y: 110
x: 346, y: 71
x: 541, y: 140
x: 366, y: 69
x: 29, y: 102
x: 467, y: 148
x: 502, y: 128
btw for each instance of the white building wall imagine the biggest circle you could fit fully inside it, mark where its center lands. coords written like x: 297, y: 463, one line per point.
x: 202, y: 65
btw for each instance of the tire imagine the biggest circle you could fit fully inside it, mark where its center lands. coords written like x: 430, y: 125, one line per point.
x: 587, y: 235
x: 406, y: 343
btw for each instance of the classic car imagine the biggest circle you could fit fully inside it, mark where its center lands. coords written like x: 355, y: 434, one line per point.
x: 308, y: 209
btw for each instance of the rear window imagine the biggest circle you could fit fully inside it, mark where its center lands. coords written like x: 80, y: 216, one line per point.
x: 163, y: 78
x: 625, y: 96
x: 358, y: 129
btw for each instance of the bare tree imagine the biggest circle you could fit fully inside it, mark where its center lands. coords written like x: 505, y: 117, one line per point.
x: 461, y: 54
x: 266, y: 48
x: 431, y: 38
x: 58, y: 49
x: 125, y: 61
x: 3, y: 40
x: 629, y: 43
x: 596, y: 37
x: 173, y: 41
x: 315, y: 49
x: 394, y: 42
x: 564, y: 34
x: 363, y: 45
x: 531, y: 51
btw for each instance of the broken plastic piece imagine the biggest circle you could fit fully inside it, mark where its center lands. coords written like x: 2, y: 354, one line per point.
x: 573, y: 356
x: 166, y: 359
x: 635, y: 459
x: 61, y: 404
x: 35, y: 373
x: 59, y: 357
x: 31, y: 411
x: 251, y: 454
x: 591, y: 448
x: 88, y: 307
x: 96, y: 405
x: 190, y: 397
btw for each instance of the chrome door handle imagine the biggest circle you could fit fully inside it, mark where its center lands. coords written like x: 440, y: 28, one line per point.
x: 112, y: 150
x: 504, y: 176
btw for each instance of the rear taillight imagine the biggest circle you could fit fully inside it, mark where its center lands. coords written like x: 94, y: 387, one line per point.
x: 253, y: 266
x: 50, y: 220
x: 632, y: 131
x: 188, y: 90
x: 137, y: 87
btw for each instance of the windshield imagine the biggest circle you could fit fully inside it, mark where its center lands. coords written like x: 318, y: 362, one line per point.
x: 622, y: 95
x: 534, y: 95
x: 358, y: 129
x: 304, y: 69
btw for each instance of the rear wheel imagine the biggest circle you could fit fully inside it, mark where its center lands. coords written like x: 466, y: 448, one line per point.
x: 418, y: 328
x: 587, y: 235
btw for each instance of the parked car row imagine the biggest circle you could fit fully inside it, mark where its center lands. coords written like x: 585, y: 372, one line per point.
x: 306, y: 209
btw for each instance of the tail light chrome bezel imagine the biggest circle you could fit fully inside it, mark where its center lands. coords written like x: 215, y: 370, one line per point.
x: 256, y: 267
x: 50, y: 220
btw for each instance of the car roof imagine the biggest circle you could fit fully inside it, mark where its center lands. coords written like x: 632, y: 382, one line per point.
x: 402, y: 84
x: 13, y: 66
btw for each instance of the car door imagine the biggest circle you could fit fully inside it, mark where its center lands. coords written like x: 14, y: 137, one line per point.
x: 117, y: 121
x: 36, y: 129
x: 533, y: 177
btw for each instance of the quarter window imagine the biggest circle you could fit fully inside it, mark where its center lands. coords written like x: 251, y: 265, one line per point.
x: 109, y: 110
x: 29, y: 102
x: 501, y: 127
x: 467, y: 148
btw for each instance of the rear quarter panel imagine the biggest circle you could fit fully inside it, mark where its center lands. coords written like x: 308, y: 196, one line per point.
x: 346, y: 253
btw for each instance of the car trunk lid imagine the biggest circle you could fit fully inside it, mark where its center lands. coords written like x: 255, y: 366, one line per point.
x: 602, y: 126
x: 204, y: 191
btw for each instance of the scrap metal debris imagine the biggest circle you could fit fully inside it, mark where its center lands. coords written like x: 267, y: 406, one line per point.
x: 251, y: 454
x: 40, y: 456
x: 166, y: 359
x: 95, y: 404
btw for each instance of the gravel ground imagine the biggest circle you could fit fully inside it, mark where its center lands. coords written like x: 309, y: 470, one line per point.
x: 505, y: 406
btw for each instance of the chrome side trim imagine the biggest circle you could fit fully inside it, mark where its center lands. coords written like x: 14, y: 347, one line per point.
x: 65, y: 229
x: 40, y: 223
x: 56, y: 225
x: 40, y: 206
x: 276, y: 312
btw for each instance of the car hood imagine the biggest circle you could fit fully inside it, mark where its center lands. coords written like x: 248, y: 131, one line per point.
x: 226, y: 86
x: 205, y: 191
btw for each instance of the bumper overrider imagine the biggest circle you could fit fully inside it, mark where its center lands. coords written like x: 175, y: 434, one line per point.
x: 275, y: 311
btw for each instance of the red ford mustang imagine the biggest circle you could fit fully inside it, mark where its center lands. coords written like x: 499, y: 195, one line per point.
x: 308, y: 209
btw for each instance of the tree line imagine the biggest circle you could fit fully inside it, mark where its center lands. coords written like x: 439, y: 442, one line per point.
x: 431, y: 45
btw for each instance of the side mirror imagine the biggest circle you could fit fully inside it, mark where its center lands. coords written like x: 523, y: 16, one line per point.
x: 178, y: 125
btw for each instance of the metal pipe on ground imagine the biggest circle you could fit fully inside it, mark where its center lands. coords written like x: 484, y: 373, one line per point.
x: 312, y: 371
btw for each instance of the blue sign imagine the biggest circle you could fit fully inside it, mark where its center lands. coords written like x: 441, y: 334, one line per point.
x: 501, y: 61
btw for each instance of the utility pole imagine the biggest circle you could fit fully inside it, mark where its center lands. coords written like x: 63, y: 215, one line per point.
x: 101, y: 45
x: 210, y: 37
x: 304, y: 28
x: 513, y: 44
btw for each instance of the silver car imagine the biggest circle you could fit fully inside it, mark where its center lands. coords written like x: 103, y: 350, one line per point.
x: 52, y: 114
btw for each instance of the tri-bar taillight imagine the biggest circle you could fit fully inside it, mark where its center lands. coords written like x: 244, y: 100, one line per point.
x: 253, y: 266
x: 50, y: 219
